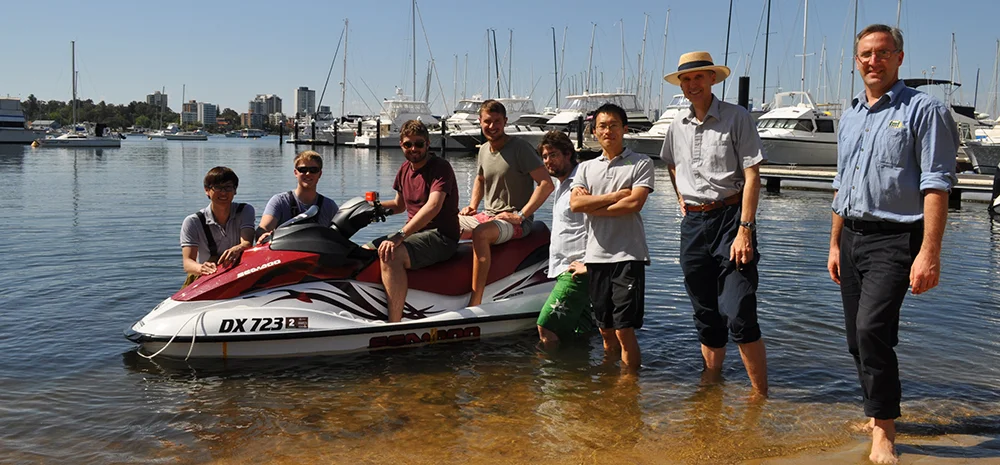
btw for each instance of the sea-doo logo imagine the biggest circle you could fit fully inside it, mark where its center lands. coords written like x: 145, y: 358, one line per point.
x: 433, y: 335
x: 257, y: 268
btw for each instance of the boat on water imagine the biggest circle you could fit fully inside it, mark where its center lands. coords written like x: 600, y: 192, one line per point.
x: 82, y: 137
x: 13, y: 124
x: 187, y: 135
x: 311, y: 291
x: 580, y: 106
x: 650, y: 142
x: 385, y: 129
x: 251, y: 133
x: 794, y: 131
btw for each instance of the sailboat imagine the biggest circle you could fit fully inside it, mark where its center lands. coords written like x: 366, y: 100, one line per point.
x: 81, y: 135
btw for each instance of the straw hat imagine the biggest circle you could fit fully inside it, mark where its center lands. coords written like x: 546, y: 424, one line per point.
x: 697, y: 61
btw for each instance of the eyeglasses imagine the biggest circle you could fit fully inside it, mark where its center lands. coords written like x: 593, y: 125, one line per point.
x: 409, y: 145
x: 879, y: 54
x: 308, y: 169
x: 228, y: 188
x: 608, y: 127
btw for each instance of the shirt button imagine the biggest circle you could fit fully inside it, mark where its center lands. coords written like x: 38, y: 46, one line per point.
x: 857, y: 168
x: 866, y: 129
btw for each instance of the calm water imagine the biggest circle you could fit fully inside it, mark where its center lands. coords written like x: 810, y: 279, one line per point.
x: 91, y: 245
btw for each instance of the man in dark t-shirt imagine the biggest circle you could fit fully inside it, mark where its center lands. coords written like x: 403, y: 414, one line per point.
x: 425, y: 187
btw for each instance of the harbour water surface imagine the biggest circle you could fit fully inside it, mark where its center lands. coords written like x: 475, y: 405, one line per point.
x: 91, y: 245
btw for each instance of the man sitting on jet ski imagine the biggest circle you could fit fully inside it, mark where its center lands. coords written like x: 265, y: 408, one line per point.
x: 286, y: 205
x: 219, y: 233
x: 426, y: 188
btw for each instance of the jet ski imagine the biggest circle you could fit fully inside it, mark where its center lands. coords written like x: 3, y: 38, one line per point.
x: 312, y: 291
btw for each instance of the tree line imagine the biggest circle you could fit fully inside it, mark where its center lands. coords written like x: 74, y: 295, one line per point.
x: 139, y: 114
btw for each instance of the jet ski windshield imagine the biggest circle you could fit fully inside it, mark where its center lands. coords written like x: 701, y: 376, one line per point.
x: 312, y: 211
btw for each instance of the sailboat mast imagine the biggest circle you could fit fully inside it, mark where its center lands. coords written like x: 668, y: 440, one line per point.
x: 805, y: 25
x: 465, y: 80
x: 996, y: 78
x: 663, y: 61
x: 642, y: 58
x: 725, y: 58
x: 899, y: 6
x: 767, y: 37
x: 555, y: 64
x: 510, y: 59
x: 343, y: 82
x: 952, y: 69
x: 854, y: 50
x: 73, y: 78
x: 413, y: 13
x: 496, y: 60
x: 590, y: 59
x: 621, y: 22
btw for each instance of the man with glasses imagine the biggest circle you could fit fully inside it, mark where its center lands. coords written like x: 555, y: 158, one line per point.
x: 426, y: 189
x: 217, y: 235
x: 713, y: 153
x: 512, y: 184
x: 896, y: 153
x: 612, y: 189
x: 286, y: 205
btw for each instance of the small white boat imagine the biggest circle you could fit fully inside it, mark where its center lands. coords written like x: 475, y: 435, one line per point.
x: 650, y: 143
x: 81, y: 139
x: 187, y: 135
x: 796, y: 132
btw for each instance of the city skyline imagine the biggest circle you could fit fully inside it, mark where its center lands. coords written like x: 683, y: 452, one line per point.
x: 295, y: 48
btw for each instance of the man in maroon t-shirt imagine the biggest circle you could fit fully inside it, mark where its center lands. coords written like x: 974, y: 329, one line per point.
x: 425, y: 186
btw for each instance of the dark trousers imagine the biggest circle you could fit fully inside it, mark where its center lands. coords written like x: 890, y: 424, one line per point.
x: 724, y: 296
x: 874, y: 278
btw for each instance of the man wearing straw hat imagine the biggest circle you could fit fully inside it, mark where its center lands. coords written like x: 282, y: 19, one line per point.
x: 713, y: 154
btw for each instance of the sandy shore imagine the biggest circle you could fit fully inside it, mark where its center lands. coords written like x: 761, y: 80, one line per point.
x: 946, y: 450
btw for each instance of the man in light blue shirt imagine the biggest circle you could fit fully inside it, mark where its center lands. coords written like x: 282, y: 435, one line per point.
x: 895, y: 165
x: 567, y: 312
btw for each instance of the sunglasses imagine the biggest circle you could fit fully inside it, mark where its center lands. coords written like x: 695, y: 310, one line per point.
x: 409, y: 145
x: 227, y: 188
x: 308, y: 169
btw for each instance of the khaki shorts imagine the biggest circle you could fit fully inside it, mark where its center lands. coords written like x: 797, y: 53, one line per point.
x: 508, y: 231
x: 426, y: 248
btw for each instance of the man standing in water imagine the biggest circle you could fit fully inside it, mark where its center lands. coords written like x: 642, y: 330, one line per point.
x: 895, y: 165
x: 567, y: 312
x: 612, y: 189
x: 507, y: 169
x: 713, y: 153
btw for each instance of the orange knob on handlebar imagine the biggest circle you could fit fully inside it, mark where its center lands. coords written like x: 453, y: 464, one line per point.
x: 371, y: 196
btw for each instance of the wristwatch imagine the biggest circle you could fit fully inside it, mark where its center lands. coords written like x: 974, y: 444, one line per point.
x: 749, y: 225
x: 397, y: 235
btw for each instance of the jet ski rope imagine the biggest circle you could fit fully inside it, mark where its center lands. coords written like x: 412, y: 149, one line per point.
x: 194, y: 334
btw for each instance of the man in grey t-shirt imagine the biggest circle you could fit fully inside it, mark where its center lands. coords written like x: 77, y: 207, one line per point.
x: 612, y: 189
x: 515, y: 184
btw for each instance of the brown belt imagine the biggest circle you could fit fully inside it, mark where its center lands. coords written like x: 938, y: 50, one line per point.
x: 707, y: 207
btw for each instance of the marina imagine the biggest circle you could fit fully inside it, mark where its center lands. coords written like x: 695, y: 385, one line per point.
x: 75, y: 390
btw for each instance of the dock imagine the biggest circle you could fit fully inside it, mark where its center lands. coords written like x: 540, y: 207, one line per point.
x: 773, y: 175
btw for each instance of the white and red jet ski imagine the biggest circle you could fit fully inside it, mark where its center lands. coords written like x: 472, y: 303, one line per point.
x: 312, y: 291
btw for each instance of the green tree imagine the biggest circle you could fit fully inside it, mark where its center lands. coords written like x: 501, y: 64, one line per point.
x: 143, y: 121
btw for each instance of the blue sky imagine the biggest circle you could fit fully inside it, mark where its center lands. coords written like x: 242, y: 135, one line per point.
x: 225, y: 52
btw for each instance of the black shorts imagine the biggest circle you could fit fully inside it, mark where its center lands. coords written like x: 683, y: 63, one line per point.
x: 426, y: 247
x: 617, y: 292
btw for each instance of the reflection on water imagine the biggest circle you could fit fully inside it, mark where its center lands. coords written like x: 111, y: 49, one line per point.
x: 95, y: 241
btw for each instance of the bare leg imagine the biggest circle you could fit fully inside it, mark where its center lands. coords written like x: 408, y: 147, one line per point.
x: 394, y: 280
x: 482, y: 238
x: 755, y: 360
x: 631, y: 357
x: 550, y: 341
x: 713, y: 357
x: 883, y: 440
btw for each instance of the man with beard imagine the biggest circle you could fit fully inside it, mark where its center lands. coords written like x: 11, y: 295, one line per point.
x: 513, y: 185
x: 425, y: 187
x: 567, y: 312
x: 895, y: 165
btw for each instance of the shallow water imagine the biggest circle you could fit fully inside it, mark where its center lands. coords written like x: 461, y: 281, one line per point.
x: 92, y: 245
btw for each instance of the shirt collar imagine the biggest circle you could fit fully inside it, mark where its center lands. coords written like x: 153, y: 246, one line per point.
x: 627, y: 152
x: 892, y: 94
x: 713, y: 111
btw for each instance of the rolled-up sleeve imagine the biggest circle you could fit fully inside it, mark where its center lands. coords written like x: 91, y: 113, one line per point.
x: 748, y: 144
x: 937, y: 143
x: 667, y: 151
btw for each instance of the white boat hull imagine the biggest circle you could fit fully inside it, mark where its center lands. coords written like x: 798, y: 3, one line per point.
x: 19, y: 136
x: 185, y: 137
x: 648, y: 145
x: 799, y: 151
x: 98, y: 142
x: 984, y: 157
x: 390, y: 140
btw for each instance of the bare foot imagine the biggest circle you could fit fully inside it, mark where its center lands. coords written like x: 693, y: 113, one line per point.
x: 864, y: 428
x: 883, y: 437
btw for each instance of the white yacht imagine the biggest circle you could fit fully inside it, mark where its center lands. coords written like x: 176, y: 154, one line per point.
x: 394, y: 113
x: 81, y: 136
x: 578, y: 106
x: 650, y: 142
x: 187, y: 135
x: 465, y: 116
x: 795, y: 131
x: 521, y: 116
x: 13, y: 124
